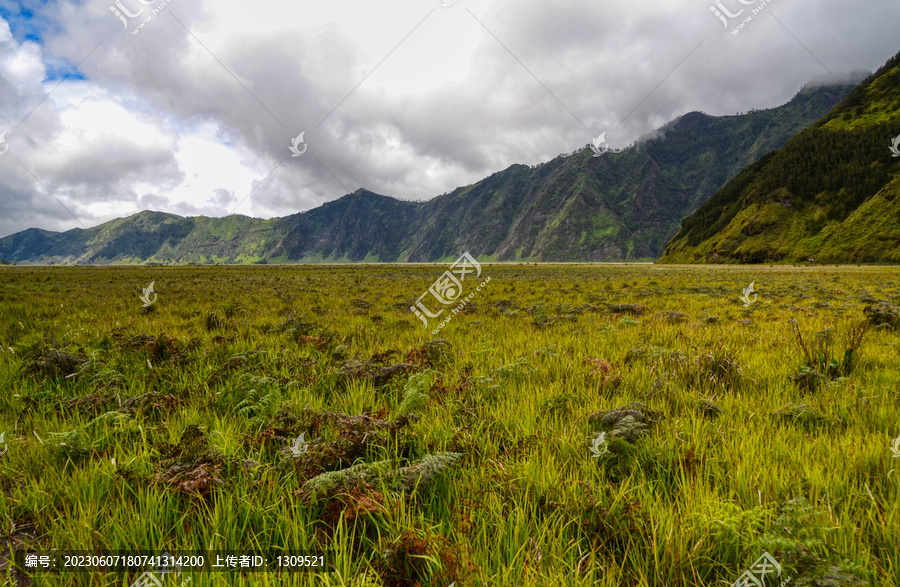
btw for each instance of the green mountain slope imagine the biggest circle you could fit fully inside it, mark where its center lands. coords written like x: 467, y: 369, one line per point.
x: 621, y: 206
x: 830, y: 194
x: 359, y: 227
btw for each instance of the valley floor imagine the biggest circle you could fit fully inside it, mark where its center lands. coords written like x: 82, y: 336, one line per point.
x: 570, y: 425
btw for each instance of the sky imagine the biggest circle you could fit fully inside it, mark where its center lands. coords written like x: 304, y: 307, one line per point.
x: 192, y: 107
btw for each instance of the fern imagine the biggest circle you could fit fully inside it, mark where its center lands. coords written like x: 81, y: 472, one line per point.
x: 629, y: 428
x: 414, y: 396
x: 419, y: 474
x: 109, y: 418
x: 327, y: 483
x: 628, y: 422
x: 81, y: 442
x: 425, y: 471
x: 75, y: 445
x: 798, y: 538
x: 261, y: 402
x: 512, y: 371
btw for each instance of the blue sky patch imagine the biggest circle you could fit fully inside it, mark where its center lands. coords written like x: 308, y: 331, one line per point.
x: 22, y: 22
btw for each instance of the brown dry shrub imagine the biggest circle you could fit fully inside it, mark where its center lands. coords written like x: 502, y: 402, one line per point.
x: 633, y: 309
x: 151, y: 403
x: 192, y: 478
x: 95, y: 402
x: 158, y: 349
x: 191, y: 466
x: 432, y: 354
x: 359, y: 502
x: 368, y: 370
x: 403, y: 562
x: 353, y: 437
x: 46, y: 359
x: 319, y: 342
x: 280, y: 431
x: 603, y: 373
x: 384, y: 357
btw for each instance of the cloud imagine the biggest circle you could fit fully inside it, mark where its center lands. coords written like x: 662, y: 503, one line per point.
x: 194, y: 115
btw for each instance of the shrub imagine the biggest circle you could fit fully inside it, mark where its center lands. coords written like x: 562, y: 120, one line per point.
x: 819, y: 352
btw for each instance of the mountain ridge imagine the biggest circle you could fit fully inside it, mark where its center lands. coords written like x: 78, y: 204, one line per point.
x: 829, y: 195
x: 622, y: 206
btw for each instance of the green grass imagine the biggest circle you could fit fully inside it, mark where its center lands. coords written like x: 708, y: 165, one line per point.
x: 170, y: 429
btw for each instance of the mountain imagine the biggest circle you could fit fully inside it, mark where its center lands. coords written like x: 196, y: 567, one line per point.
x: 623, y: 205
x: 829, y: 195
x: 358, y: 227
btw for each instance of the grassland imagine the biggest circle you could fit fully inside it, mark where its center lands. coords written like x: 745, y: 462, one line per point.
x: 467, y: 458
